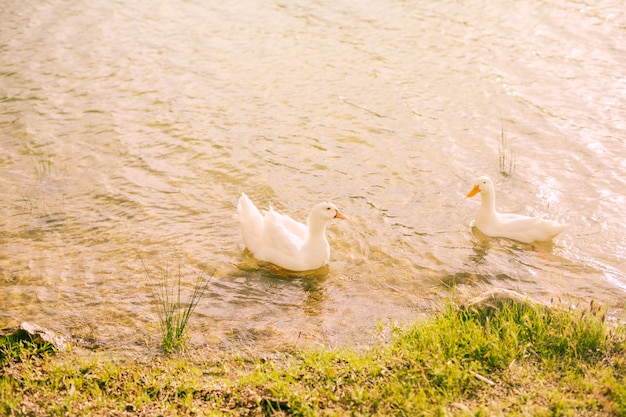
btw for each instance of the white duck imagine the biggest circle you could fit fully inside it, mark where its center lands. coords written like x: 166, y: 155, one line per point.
x: 512, y: 226
x: 279, y: 239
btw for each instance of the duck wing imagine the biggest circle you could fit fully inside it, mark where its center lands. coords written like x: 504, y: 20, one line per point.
x: 527, y: 229
x: 278, y: 244
x: 281, y: 234
x: 296, y: 228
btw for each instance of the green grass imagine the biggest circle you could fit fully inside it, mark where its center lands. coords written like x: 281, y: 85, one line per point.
x: 14, y: 349
x: 516, y: 359
x: 172, y: 310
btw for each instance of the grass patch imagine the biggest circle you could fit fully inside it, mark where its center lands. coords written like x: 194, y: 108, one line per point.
x: 173, y: 311
x: 18, y: 349
x: 512, y: 359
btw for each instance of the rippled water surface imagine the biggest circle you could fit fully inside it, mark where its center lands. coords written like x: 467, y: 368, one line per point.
x: 128, y: 130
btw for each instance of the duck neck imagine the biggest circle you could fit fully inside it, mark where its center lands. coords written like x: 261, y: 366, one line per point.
x: 317, y: 229
x: 488, y: 203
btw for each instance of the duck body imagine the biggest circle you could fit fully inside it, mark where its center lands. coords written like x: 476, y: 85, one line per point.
x: 276, y: 238
x: 525, y: 229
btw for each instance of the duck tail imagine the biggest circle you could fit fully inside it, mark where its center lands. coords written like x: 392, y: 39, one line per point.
x: 251, y: 220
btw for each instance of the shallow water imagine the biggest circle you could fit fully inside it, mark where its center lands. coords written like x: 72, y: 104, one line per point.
x: 128, y: 131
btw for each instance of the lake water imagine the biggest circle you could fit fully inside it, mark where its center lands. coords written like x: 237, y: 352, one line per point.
x: 128, y: 130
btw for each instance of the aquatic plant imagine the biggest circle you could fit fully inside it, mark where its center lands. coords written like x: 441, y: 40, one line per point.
x: 28, y: 203
x: 43, y: 166
x: 173, y: 312
x: 505, y: 154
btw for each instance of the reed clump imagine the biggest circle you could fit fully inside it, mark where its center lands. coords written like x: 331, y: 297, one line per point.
x: 173, y: 309
x: 506, y: 159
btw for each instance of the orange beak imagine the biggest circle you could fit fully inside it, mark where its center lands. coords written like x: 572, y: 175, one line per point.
x: 340, y: 215
x: 474, y: 191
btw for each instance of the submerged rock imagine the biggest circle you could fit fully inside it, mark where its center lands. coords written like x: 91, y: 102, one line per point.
x: 36, y: 334
x: 497, y: 297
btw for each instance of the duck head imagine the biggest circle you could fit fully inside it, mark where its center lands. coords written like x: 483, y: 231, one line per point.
x: 324, y: 212
x: 484, y: 185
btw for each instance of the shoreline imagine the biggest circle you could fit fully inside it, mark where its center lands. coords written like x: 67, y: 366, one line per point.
x: 493, y: 356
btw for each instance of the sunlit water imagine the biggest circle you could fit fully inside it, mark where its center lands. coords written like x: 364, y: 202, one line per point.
x: 128, y: 130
